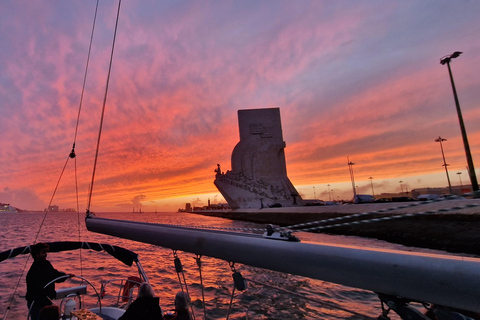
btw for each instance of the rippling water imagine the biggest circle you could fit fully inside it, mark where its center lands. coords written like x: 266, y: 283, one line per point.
x: 318, y: 300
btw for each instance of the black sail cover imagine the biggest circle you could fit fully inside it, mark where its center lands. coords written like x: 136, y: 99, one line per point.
x: 122, y: 254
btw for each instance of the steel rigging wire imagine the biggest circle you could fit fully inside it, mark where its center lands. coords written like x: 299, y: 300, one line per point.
x: 103, y: 108
x: 70, y: 156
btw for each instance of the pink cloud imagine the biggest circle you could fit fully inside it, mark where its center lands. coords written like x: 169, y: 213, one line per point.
x: 361, y: 80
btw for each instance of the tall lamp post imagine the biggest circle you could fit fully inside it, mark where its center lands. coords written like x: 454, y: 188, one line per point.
x: 471, y: 169
x: 314, y: 193
x: 460, y: 177
x: 329, y: 193
x: 440, y: 139
x: 371, y: 183
x: 401, y: 185
x: 350, y: 168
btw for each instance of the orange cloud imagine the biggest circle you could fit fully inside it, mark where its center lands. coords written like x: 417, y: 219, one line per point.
x: 361, y: 81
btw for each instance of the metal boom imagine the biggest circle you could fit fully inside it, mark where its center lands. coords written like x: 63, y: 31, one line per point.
x: 439, y: 279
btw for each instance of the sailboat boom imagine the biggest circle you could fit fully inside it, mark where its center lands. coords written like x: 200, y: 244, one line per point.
x: 432, y: 278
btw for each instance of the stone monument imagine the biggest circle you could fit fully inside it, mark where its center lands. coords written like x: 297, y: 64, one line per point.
x: 258, y: 178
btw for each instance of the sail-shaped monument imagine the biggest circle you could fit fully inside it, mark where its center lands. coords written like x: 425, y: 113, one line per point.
x: 258, y: 178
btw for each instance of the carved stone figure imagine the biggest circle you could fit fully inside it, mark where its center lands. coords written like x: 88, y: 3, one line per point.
x: 258, y: 177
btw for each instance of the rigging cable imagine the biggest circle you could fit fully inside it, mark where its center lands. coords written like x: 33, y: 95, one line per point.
x: 230, y: 304
x: 76, y: 132
x: 199, y: 264
x: 35, y: 240
x: 401, y: 216
x: 78, y: 219
x: 70, y: 156
x: 15, y: 290
x: 358, y: 215
x: 238, y: 283
x: 103, y: 109
x: 232, y: 266
x: 179, y: 269
x: 85, y: 75
x: 51, y: 200
x: 364, y: 214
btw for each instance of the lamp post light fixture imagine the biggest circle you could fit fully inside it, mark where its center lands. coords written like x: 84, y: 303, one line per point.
x: 440, y: 139
x: 350, y: 168
x: 371, y: 183
x: 471, y: 168
x: 329, y: 193
x: 460, y: 177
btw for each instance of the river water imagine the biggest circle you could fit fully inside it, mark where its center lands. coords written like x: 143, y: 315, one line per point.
x: 320, y: 300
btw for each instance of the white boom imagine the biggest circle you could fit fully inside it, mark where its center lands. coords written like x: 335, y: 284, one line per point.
x: 440, y: 279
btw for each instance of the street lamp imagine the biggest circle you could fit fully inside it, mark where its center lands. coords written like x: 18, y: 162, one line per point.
x: 460, y: 177
x: 440, y: 139
x: 350, y: 168
x: 371, y: 183
x: 329, y: 193
x: 401, y: 185
x: 314, y: 193
x: 471, y: 169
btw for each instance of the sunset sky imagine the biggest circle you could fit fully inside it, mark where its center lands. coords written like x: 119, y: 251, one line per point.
x: 351, y: 78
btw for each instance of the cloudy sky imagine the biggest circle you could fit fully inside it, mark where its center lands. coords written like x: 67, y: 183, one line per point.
x: 351, y: 78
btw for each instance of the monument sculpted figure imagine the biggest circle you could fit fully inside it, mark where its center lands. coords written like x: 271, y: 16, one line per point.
x: 259, y: 174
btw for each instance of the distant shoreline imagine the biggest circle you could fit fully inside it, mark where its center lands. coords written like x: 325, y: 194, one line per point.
x: 456, y: 231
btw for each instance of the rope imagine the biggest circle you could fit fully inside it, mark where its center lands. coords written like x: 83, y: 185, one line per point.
x: 232, y: 266
x: 199, y: 264
x: 213, y: 228
x: 78, y: 220
x: 179, y: 269
x: 85, y: 75
x: 70, y: 156
x: 36, y: 237
x: 103, y: 108
x: 354, y: 223
x: 51, y: 200
x: 218, y: 228
x: 231, y: 301
x: 76, y: 131
x: 16, y: 287
x: 357, y: 215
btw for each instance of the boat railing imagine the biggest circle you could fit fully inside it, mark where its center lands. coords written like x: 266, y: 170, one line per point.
x: 123, y: 288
